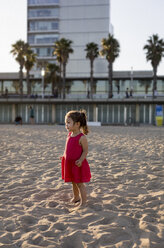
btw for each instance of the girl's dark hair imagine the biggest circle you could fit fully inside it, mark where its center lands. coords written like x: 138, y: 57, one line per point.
x: 79, y: 116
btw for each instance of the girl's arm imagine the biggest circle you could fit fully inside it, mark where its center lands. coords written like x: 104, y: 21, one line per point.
x: 83, y: 142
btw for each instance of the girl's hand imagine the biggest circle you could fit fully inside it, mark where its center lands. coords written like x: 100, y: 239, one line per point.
x: 78, y: 162
x: 61, y: 158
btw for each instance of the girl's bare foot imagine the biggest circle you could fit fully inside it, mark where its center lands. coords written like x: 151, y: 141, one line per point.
x: 74, y: 200
x: 83, y: 204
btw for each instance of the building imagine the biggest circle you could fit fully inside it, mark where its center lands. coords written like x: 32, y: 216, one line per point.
x: 42, y: 26
x: 81, y: 21
x: 119, y: 110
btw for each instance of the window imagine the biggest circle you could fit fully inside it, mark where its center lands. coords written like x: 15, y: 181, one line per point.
x: 31, y: 2
x: 42, y: 39
x: 43, y: 51
x: 43, y: 25
x: 31, y: 39
x: 102, y: 86
x: 77, y: 87
x: 49, y: 12
x: 160, y: 86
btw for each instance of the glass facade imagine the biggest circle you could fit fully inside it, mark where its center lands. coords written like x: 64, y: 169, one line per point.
x: 79, y: 88
x: 138, y: 85
x: 42, y: 39
x: 160, y: 86
x: 74, y: 86
x: 43, y: 51
x: 36, y: 88
x: 40, y: 2
x: 101, y: 86
x: 48, y: 12
x: 145, y: 86
x: 43, y: 25
x: 12, y: 86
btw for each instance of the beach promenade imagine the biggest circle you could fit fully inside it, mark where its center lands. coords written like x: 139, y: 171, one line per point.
x: 125, y: 206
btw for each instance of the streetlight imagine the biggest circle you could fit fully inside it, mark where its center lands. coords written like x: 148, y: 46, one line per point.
x: 42, y: 73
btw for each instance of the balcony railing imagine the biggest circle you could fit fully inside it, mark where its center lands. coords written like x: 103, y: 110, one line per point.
x: 81, y: 96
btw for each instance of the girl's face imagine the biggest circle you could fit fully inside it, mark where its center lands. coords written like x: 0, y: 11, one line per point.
x: 70, y: 125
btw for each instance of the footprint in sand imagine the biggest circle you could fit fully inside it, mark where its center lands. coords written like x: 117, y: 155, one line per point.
x: 27, y: 220
x: 75, y: 239
x: 60, y: 226
x: 10, y: 228
x: 52, y: 204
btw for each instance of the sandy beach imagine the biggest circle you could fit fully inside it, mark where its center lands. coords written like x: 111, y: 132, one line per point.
x: 125, y: 206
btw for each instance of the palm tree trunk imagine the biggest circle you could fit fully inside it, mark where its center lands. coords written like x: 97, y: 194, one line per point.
x: 53, y: 83
x: 60, y: 76
x: 60, y: 66
x: 64, y: 75
x: 21, y: 80
x: 91, y: 77
x: 110, y: 76
x: 28, y: 83
x: 154, y: 80
x: 52, y: 92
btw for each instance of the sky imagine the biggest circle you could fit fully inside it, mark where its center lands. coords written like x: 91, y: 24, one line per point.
x: 134, y: 21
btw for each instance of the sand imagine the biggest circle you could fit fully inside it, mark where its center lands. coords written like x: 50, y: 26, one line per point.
x: 125, y: 206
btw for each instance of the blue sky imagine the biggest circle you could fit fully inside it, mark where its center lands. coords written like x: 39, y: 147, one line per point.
x: 133, y: 20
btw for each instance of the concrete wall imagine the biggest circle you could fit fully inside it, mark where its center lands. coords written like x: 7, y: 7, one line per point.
x: 84, y: 21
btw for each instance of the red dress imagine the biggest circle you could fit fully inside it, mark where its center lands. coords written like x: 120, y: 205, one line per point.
x: 70, y: 171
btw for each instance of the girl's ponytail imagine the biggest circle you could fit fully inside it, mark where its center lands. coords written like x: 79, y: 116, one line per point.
x: 83, y: 122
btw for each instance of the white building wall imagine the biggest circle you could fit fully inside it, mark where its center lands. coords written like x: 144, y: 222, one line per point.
x: 84, y: 21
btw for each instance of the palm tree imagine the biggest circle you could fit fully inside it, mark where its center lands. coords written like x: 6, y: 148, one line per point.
x: 146, y: 84
x: 110, y: 49
x: 92, y: 52
x: 57, y: 52
x: 15, y: 85
x: 19, y: 50
x: 154, y: 53
x: 30, y: 59
x: 62, y: 49
x: 52, y: 75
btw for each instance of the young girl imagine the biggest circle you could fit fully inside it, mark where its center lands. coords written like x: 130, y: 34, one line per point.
x: 75, y: 167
